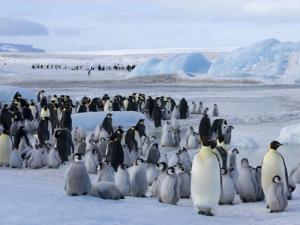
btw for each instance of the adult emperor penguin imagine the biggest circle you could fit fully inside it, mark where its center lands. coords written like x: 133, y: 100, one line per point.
x: 64, y: 143
x: 77, y: 181
x: 246, y: 187
x: 5, y: 148
x: 215, y: 112
x: 122, y: 179
x: 107, y: 124
x: 228, y: 189
x: 115, y: 153
x: 273, y: 165
x: 206, y: 179
x: 276, y: 195
x: 138, y: 179
x: 205, y: 130
x: 170, y: 189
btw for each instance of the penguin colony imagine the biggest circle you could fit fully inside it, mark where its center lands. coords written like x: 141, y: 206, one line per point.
x: 130, y: 163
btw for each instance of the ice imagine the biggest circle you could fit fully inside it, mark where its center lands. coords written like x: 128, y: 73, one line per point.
x: 188, y: 63
x: 7, y: 47
x: 290, y: 134
x: 90, y: 120
x: 249, y: 143
x: 7, y: 93
x: 269, y: 59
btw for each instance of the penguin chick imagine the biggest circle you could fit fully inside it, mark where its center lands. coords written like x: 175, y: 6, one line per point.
x: 138, y: 179
x: 163, y: 167
x: 260, y: 193
x: 122, y: 179
x: 15, y: 160
x: 77, y: 181
x: 36, y: 158
x: 276, y: 196
x: 228, y: 189
x: 106, y: 190
x: 105, y: 173
x: 54, y: 160
x: 169, y: 191
x: 91, y: 161
x: 185, y: 182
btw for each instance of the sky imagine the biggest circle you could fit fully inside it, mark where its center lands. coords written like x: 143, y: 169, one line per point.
x: 91, y: 25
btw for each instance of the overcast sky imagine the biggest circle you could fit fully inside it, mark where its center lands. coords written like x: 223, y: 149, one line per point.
x: 90, y: 25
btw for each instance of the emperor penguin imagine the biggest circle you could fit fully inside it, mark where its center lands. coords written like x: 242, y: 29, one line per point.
x: 145, y: 145
x: 105, y: 173
x: 228, y: 189
x: 276, y: 196
x: 175, y: 123
x: 174, y: 160
x: 206, y: 179
x: 122, y: 179
x: 5, y: 148
x: 194, y: 106
x: 36, y: 158
x: 138, y: 179
x: 259, y: 194
x: 163, y: 167
x: 91, y: 161
x: 176, y: 138
x: 102, y: 146
x: 273, y: 165
x: 54, y: 160
x: 153, y: 154
x: 234, y: 173
x: 15, y: 160
x: 188, y: 133
x: 215, y: 112
x: 246, y: 187
x: 199, y: 108
x: 166, y: 139
x: 170, y: 189
x: 193, y: 141
x: 185, y: 182
x: 175, y: 112
x: 106, y: 190
x: 185, y: 160
x: 77, y: 181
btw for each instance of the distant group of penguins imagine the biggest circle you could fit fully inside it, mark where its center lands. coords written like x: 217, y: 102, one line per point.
x: 130, y: 163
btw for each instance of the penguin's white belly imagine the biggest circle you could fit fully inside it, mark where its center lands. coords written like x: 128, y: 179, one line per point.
x: 272, y: 166
x: 5, y: 148
x: 192, y: 142
x: 205, y: 182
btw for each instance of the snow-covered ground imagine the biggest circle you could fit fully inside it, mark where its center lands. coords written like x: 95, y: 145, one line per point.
x: 257, y: 112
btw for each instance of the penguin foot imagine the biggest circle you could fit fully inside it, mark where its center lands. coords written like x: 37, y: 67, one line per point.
x: 84, y: 193
x: 267, y: 207
x: 143, y: 196
x: 122, y: 197
x: 74, y: 194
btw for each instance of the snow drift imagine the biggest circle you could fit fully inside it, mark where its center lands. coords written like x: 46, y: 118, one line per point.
x: 90, y: 120
x: 7, y: 93
x: 269, y: 59
x: 192, y: 63
x: 7, y: 47
x: 290, y: 134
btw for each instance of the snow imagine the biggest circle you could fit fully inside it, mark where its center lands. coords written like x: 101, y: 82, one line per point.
x: 90, y: 120
x: 249, y: 143
x: 290, y: 134
x: 7, y: 93
x: 189, y: 63
x: 269, y: 59
x: 7, y: 47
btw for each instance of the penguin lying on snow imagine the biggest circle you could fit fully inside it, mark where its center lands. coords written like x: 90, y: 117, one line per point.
x: 77, y: 181
x: 106, y: 190
x: 276, y: 196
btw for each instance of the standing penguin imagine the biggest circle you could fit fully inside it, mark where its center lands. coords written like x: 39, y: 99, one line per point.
x: 77, y: 181
x: 206, y: 179
x: 176, y: 138
x: 276, y: 196
x: 176, y: 113
x: 91, y: 161
x: 183, y: 108
x: 105, y: 173
x: 107, y: 124
x: 260, y: 193
x: 205, y: 130
x: 153, y: 154
x: 102, y: 146
x: 228, y: 189
x: 185, y: 182
x: 163, y: 167
x: 185, y: 159
x: 273, y: 165
x: 81, y: 148
x: 215, y: 112
x: 193, y: 141
x: 169, y: 191
x: 66, y: 119
x: 130, y: 139
x: 64, y: 143
x: 188, y: 133
x: 138, y: 179
x: 140, y: 126
x: 194, y: 106
x: 15, y: 160
x: 234, y: 173
x: 246, y: 185
x: 5, y: 148
x: 53, y: 159
x: 36, y: 158
x: 199, y: 108
x: 166, y: 139
x: 115, y: 153
x: 157, y: 116
x: 122, y: 180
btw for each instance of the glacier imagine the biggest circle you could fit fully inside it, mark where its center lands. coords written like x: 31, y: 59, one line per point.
x: 188, y: 63
x: 269, y: 59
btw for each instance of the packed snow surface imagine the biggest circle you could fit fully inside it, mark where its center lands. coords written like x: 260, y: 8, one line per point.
x: 290, y: 134
x: 189, y: 63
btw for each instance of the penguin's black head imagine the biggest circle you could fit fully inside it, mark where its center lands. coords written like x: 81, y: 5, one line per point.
x: 221, y: 138
x: 162, y: 166
x: 139, y: 161
x: 77, y: 157
x: 244, y: 162
x: 124, y: 166
x: 108, y: 115
x: 215, y: 105
x: 258, y: 169
x: 213, y: 144
x: 275, y: 145
x: 276, y: 179
x: 171, y: 171
x: 155, y: 145
x: 224, y: 171
x: 235, y: 151
x: 82, y: 139
x: 102, y: 139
